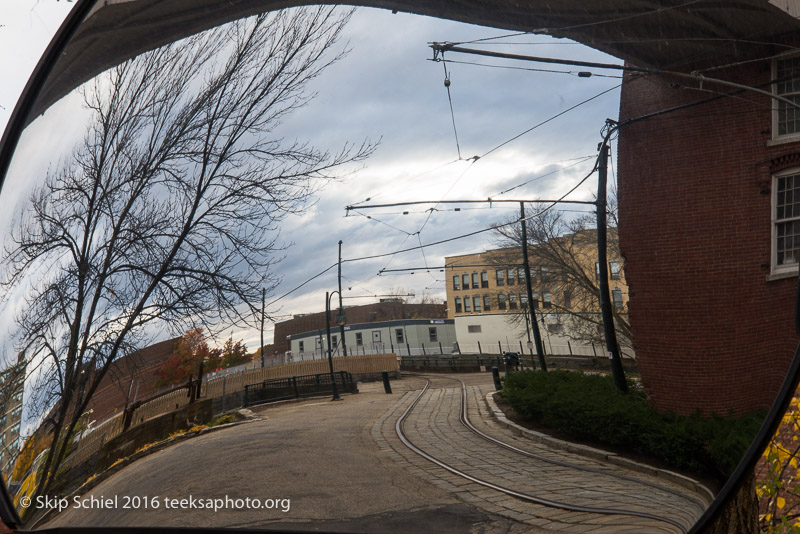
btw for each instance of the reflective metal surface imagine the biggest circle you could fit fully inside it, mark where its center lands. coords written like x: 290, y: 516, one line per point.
x: 151, y: 204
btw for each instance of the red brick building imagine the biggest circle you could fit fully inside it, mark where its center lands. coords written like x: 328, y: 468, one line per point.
x: 709, y: 200
x: 130, y: 378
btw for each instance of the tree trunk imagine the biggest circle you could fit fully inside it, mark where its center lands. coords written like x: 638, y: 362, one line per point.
x: 740, y: 514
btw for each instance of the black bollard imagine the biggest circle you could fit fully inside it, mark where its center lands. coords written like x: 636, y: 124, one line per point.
x: 496, y: 375
x: 387, y: 387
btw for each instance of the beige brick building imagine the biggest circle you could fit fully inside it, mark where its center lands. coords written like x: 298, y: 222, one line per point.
x: 487, y: 296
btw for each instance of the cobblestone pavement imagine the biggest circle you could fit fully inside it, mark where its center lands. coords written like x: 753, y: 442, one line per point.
x: 434, y: 427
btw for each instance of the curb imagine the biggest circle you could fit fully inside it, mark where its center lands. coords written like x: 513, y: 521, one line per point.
x: 597, y: 454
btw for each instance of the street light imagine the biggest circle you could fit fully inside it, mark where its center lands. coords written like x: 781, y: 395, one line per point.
x: 340, y: 320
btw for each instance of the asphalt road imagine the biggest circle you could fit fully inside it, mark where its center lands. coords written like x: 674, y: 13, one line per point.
x: 311, y: 465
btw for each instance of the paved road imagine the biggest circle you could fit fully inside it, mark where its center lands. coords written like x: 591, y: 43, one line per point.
x: 317, y: 453
x: 343, y: 469
x: 434, y: 427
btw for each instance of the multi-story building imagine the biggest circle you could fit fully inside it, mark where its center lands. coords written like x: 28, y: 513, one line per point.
x: 12, y: 386
x: 487, y: 297
x: 709, y: 199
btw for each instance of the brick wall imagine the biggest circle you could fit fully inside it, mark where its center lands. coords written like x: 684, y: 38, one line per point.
x: 710, y: 332
x: 138, y: 368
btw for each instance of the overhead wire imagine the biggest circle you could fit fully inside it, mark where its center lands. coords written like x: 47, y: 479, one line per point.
x: 406, y: 182
x: 580, y: 160
x: 452, y: 114
x: 598, y: 95
x: 477, y: 232
x: 382, y: 222
x: 579, y: 74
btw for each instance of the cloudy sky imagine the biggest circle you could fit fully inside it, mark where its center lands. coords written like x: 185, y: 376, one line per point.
x: 387, y: 89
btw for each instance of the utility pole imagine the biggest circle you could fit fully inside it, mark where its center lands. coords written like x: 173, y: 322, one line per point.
x: 537, y: 338
x: 341, y: 326
x: 263, y: 299
x: 612, y: 346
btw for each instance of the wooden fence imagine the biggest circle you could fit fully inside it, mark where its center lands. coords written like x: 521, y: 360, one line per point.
x: 355, y: 365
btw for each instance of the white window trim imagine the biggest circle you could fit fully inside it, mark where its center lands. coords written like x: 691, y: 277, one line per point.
x: 785, y: 138
x: 783, y: 271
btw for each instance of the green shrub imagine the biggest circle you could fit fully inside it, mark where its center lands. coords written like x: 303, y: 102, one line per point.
x: 591, y: 408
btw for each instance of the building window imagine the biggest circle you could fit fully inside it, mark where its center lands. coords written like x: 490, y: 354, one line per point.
x: 785, y: 118
x: 456, y: 282
x: 547, y: 301
x: 398, y: 333
x: 458, y: 304
x: 512, y: 276
x: 487, y: 303
x: 432, y: 335
x: 512, y: 301
x: 484, y: 279
x: 476, y: 303
x: 475, y: 281
x: 467, y: 305
x: 521, y: 276
x: 535, y: 300
x: 616, y: 294
x: 501, y: 301
x: 465, y: 281
x: 567, y: 299
x: 359, y: 339
x: 597, y: 270
x: 473, y: 329
x: 501, y: 277
x: 786, y: 223
x: 319, y: 343
x: 613, y: 269
x: 545, y: 274
x: 334, y: 342
x: 15, y: 429
x: 523, y: 301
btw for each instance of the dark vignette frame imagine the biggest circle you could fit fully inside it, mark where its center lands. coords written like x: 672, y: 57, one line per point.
x: 8, y: 143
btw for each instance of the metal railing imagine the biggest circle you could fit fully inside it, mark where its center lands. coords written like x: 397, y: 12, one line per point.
x: 294, y: 387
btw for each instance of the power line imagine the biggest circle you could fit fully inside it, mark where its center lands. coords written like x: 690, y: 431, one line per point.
x: 580, y: 160
x: 450, y: 100
x: 383, y: 223
x: 489, y: 200
x: 408, y: 181
x: 303, y: 284
x: 696, y: 76
x: 578, y: 74
x: 477, y: 232
x: 551, y: 119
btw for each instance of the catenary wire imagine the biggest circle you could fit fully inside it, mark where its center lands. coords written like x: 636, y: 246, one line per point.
x: 551, y: 71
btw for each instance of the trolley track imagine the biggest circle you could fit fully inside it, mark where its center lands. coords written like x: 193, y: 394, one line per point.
x: 527, y: 495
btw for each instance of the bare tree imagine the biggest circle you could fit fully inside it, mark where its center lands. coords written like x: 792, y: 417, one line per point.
x: 168, y: 211
x: 567, y: 250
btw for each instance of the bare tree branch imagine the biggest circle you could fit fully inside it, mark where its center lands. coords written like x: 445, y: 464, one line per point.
x: 168, y: 211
